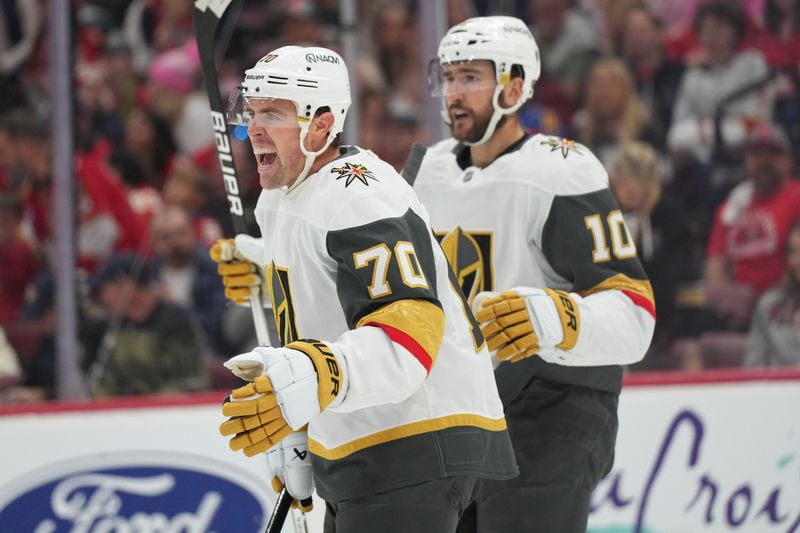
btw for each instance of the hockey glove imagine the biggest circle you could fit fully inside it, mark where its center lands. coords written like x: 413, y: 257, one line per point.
x: 239, y: 263
x: 290, y: 462
x: 290, y: 386
x: 525, y: 321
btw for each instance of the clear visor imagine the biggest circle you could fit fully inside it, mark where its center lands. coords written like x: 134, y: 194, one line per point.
x: 460, y: 78
x: 245, y: 110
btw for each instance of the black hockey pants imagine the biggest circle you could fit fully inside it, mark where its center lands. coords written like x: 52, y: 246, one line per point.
x: 563, y: 437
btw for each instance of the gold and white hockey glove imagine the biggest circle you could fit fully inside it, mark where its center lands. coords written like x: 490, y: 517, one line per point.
x: 239, y: 262
x: 290, y: 386
x: 290, y: 462
x: 525, y: 321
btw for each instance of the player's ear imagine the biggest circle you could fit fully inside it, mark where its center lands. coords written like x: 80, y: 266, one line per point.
x: 319, y: 128
x: 511, y: 92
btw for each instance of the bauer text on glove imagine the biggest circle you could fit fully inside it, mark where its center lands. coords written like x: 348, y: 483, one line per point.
x: 525, y: 321
x: 299, y: 381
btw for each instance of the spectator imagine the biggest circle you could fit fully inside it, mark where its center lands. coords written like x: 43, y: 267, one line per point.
x: 748, y: 238
x: 682, y: 42
x: 395, y: 34
x: 657, y: 77
x: 18, y: 262
x: 780, y: 43
x: 152, y: 345
x: 190, y: 189
x: 400, y: 130
x: 567, y: 44
x: 143, y: 196
x: 779, y: 36
x: 721, y: 72
x: 105, y: 222
x: 774, y: 338
x: 19, y: 33
x: 174, y: 83
x: 186, y: 271
x: 660, y: 228
x: 392, y: 33
x: 612, y: 113
x: 39, y: 315
x: 149, y: 136
x: 120, y: 77
x: 610, y: 20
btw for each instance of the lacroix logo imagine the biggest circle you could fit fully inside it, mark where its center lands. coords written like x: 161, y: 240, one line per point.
x: 152, y: 492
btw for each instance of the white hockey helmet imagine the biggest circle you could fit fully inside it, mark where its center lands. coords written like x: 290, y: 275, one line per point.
x: 506, y: 42
x: 311, y: 77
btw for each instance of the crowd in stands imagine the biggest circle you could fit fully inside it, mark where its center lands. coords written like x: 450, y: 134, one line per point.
x: 693, y: 106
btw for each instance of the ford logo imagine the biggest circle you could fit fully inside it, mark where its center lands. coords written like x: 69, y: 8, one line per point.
x: 135, y: 491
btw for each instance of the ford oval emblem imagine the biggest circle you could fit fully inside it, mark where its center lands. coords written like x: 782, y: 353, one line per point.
x: 135, y: 491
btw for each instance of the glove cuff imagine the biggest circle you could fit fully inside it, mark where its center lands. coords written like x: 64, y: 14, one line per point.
x: 569, y: 315
x: 331, y: 370
x: 555, y: 316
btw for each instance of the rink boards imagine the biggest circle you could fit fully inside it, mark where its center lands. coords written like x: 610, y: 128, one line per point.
x: 715, y: 453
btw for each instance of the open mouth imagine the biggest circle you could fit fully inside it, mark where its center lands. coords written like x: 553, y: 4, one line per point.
x: 457, y: 115
x: 264, y: 156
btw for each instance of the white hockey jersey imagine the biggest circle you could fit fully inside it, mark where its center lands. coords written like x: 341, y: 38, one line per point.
x: 541, y: 215
x: 351, y: 261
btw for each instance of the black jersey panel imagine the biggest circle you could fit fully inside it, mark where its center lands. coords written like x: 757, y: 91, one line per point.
x: 382, y: 262
x: 586, y: 241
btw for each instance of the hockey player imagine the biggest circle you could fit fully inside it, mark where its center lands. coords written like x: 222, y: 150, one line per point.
x: 533, y: 217
x: 397, y: 392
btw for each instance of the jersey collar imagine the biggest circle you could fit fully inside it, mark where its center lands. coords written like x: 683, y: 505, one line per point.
x: 464, y: 156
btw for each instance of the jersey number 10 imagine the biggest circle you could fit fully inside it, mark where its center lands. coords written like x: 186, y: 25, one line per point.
x: 622, y: 245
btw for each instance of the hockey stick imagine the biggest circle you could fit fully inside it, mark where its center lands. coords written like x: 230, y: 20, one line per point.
x: 282, y: 507
x: 413, y: 162
x: 207, y: 17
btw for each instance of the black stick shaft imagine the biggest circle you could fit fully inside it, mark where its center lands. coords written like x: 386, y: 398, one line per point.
x: 280, y: 512
x: 413, y: 162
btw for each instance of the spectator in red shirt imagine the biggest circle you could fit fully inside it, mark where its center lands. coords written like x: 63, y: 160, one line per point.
x: 105, y: 220
x: 748, y: 239
x: 18, y: 262
x: 779, y: 38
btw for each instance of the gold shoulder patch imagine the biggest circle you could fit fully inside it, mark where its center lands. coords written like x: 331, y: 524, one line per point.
x: 351, y: 172
x: 565, y: 145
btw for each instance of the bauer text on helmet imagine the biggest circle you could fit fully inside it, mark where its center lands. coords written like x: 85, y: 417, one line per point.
x: 313, y: 80
x: 506, y: 42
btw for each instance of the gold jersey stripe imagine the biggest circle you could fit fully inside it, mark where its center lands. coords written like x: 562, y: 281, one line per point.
x: 407, y: 430
x: 622, y: 282
x: 420, y: 320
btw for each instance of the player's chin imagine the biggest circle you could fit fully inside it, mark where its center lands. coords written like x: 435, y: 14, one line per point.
x: 459, y: 129
x: 269, y: 179
x: 464, y: 134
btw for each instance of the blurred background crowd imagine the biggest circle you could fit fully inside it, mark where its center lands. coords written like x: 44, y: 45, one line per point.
x: 692, y: 105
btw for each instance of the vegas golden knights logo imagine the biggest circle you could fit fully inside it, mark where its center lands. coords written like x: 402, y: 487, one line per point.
x: 470, y: 256
x: 282, y: 304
